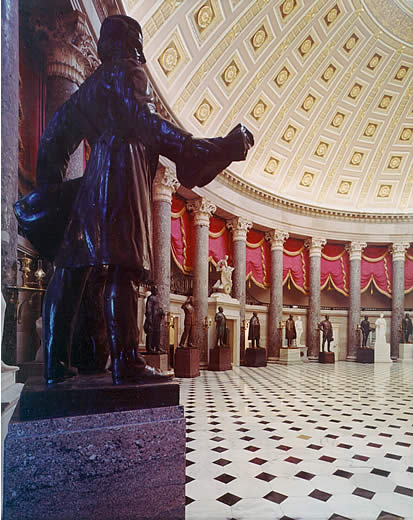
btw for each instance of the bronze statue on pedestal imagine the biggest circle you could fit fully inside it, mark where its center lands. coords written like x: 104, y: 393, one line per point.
x: 221, y: 325
x: 187, y: 335
x: 327, y: 328
x: 254, y: 331
x: 105, y: 218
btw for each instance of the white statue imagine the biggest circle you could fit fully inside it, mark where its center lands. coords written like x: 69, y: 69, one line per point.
x: 299, y: 330
x: 381, y: 329
x: 225, y: 283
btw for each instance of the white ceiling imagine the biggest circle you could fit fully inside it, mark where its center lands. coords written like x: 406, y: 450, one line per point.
x: 325, y: 86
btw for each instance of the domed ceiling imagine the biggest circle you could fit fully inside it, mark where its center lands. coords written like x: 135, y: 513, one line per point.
x: 325, y: 86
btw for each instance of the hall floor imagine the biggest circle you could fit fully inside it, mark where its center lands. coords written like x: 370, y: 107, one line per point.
x: 300, y: 442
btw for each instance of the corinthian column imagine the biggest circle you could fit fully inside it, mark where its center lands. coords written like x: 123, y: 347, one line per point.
x: 202, y: 209
x: 239, y: 227
x: 276, y: 239
x: 70, y: 57
x: 354, y: 250
x: 165, y: 184
x: 315, y: 246
x: 397, y: 303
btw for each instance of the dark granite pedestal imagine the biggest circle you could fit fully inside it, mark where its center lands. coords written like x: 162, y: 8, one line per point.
x: 365, y: 355
x: 220, y: 359
x: 113, y: 462
x: 326, y: 358
x: 187, y: 362
x: 157, y: 360
x: 255, y: 357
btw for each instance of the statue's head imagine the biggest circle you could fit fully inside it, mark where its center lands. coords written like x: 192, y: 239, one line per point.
x: 120, y: 37
x: 220, y: 309
x: 254, y: 314
x: 291, y: 316
x: 326, y: 317
x: 366, y: 318
x: 381, y: 315
x: 190, y: 299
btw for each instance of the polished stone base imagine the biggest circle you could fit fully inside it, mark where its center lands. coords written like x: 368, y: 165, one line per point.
x: 30, y: 369
x: 303, y: 352
x: 255, y: 357
x: 220, y: 359
x: 86, y: 395
x: 123, y: 465
x: 326, y: 358
x: 289, y: 356
x: 157, y: 360
x: 382, y: 353
x: 365, y: 355
x: 406, y: 351
x: 187, y: 362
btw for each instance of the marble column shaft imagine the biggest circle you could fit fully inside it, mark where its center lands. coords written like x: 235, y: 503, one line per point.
x: 164, y: 185
x: 313, y: 335
x: 276, y: 239
x: 398, y: 252
x: 202, y: 209
x: 9, y: 161
x: 239, y: 227
x: 354, y: 249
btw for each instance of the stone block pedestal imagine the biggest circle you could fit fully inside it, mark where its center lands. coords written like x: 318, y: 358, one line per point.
x: 187, y: 362
x: 406, y: 351
x: 365, y: 355
x: 157, y: 360
x: 382, y: 352
x: 109, y: 465
x: 290, y: 356
x: 220, y: 359
x: 255, y: 357
x: 326, y: 358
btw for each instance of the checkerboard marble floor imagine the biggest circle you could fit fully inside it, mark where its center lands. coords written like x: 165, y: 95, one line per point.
x: 300, y: 442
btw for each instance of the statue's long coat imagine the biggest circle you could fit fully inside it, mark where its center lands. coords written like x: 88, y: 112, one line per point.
x: 110, y: 221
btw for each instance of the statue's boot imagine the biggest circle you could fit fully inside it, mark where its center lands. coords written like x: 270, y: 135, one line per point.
x: 59, y: 373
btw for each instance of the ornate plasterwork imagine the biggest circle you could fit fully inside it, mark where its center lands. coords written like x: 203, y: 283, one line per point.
x: 165, y: 184
x: 239, y: 226
x: 202, y: 209
x: 173, y: 57
x: 391, y: 18
x: 355, y: 249
x: 68, y: 47
x: 315, y: 245
x: 276, y: 238
x: 398, y: 250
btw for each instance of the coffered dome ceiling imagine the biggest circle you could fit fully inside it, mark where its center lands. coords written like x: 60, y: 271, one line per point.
x: 325, y: 86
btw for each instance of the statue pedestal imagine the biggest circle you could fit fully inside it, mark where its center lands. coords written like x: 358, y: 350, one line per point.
x: 303, y: 352
x: 157, y: 360
x: 290, y: 356
x: 125, y: 457
x: 382, y: 352
x: 187, y: 362
x: 220, y: 359
x: 365, y: 355
x: 326, y: 358
x: 255, y: 357
x: 406, y: 351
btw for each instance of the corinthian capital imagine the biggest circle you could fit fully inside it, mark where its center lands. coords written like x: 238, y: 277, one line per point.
x: 202, y: 209
x: 239, y: 226
x: 276, y: 238
x: 69, y: 49
x: 355, y: 249
x: 398, y: 250
x: 165, y: 183
x: 315, y: 245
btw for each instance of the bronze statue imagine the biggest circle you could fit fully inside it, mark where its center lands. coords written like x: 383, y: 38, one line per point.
x: 407, y: 327
x: 187, y: 335
x: 152, y: 325
x: 327, y: 329
x: 254, y: 331
x: 365, y: 331
x: 290, y: 332
x: 105, y: 218
x: 221, y: 325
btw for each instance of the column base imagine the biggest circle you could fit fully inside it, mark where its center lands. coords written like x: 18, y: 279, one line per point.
x: 312, y: 359
x: 187, y: 362
x: 352, y: 358
x: 273, y: 360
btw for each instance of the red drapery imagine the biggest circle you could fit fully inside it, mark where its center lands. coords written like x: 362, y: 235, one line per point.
x: 296, y: 264
x: 376, y: 269
x: 220, y: 241
x: 258, y: 259
x: 408, y: 271
x: 335, y: 268
x: 181, y: 235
